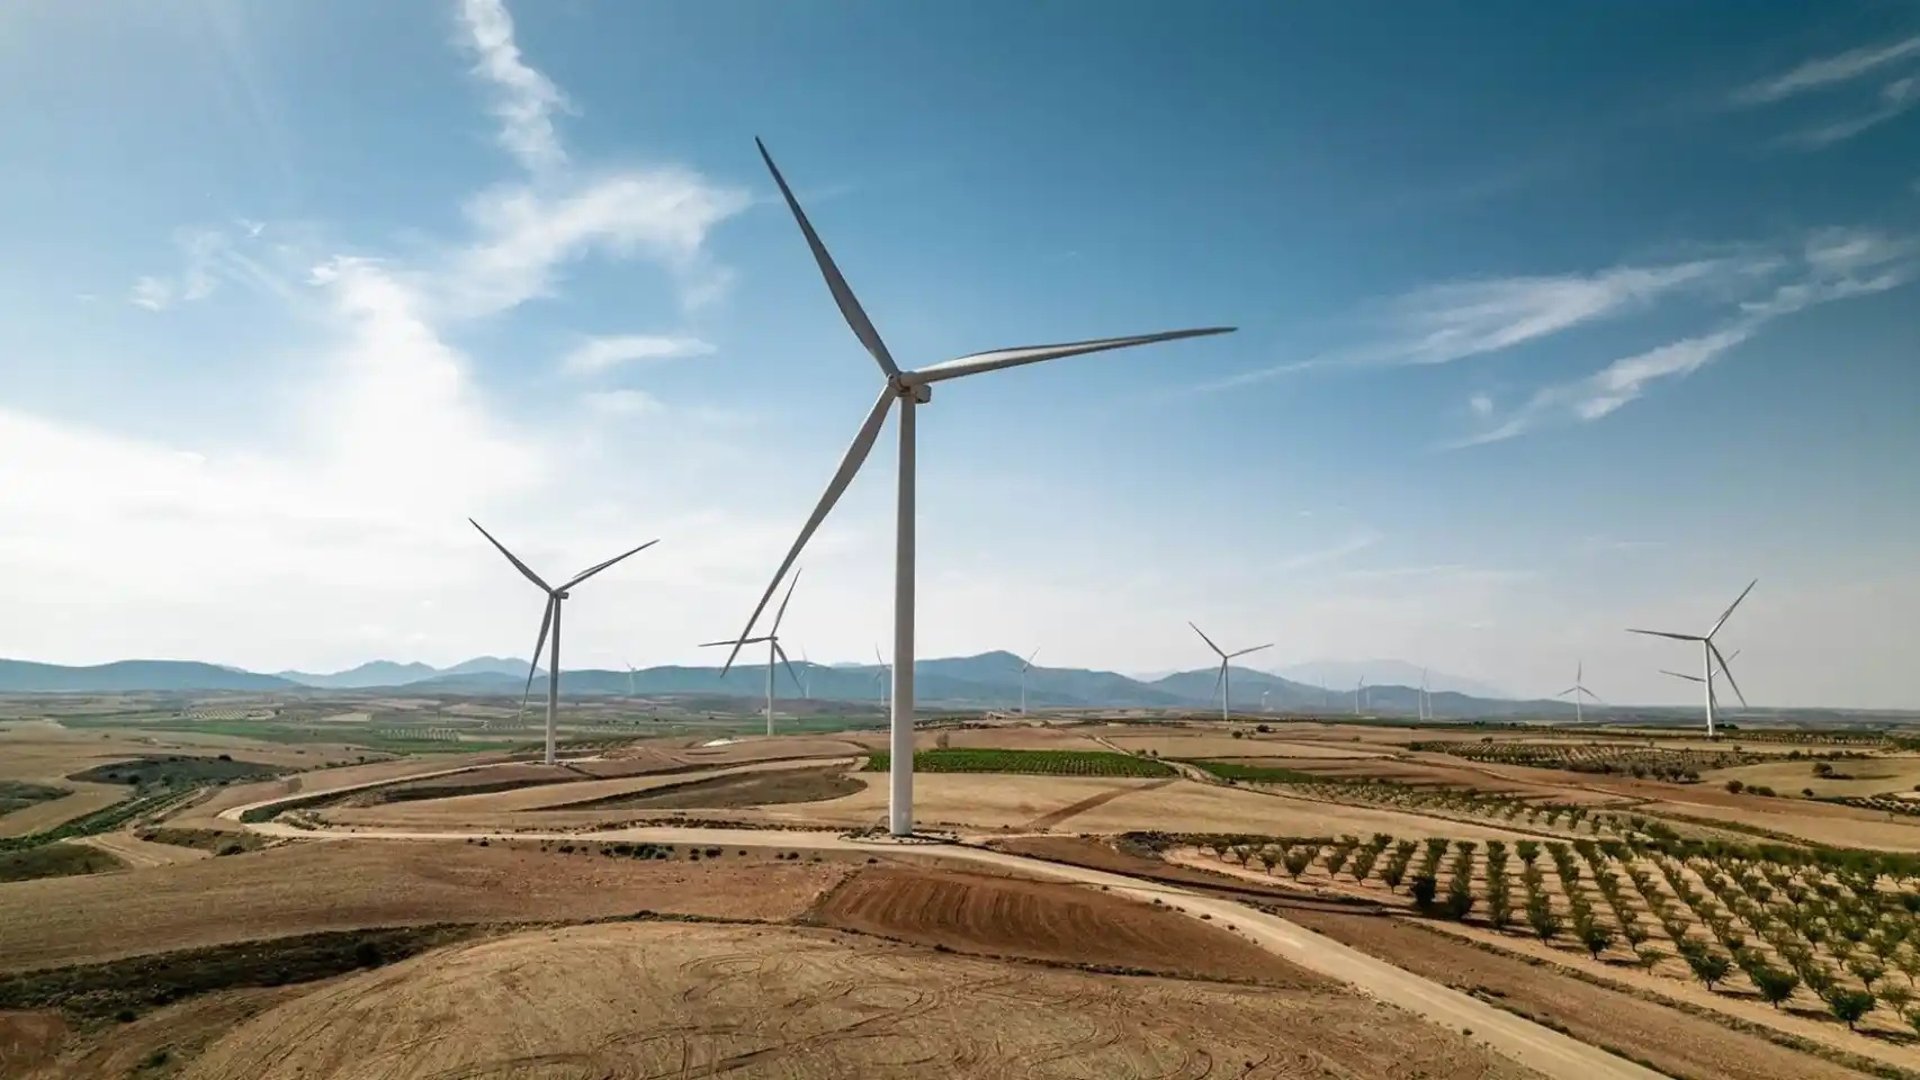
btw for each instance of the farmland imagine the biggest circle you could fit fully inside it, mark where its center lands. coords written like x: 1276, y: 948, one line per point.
x: 1029, y: 762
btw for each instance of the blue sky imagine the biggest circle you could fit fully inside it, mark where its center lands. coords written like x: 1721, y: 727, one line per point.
x: 1553, y: 319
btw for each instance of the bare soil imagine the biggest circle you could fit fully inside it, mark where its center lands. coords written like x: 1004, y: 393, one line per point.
x: 1002, y: 916
x: 736, y: 790
x: 304, y: 887
x: 671, y: 1000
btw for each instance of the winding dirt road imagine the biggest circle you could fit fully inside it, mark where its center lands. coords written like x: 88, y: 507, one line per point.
x: 1520, y: 1040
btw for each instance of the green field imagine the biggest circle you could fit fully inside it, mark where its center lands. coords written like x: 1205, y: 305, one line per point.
x: 1257, y: 774
x: 177, y: 770
x: 55, y: 860
x: 1030, y: 762
x: 105, y: 819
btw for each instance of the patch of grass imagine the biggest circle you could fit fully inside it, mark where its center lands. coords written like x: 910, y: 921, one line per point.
x: 18, y: 795
x: 177, y: 770
x: 214, y: 840
x: 1257, y: 774
x: 55, y: 860
x: 94, y: 993
x: 1029, y: 762
x: 105, y: 819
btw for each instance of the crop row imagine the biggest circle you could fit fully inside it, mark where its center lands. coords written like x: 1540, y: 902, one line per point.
x: 1031, y: 762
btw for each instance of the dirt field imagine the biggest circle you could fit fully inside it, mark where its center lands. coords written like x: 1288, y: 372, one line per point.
x: 671, y: 1000
x: 1212, y: 745
x: 1000, y: 916
x: 312, y: 886
x: 1670, y: 1041
x: 138, y: 853
x: 740, y: 789
x: 1865, y: 776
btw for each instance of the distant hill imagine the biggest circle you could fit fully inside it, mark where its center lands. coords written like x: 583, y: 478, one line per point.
x: 1343, y: 674
x: 988, y: 681
x: 27, y: 677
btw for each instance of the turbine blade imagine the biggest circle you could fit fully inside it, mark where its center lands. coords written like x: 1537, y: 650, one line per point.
x: 1730, y: 607
x: 850, y: 308
x: 849, y: 465
x: 596, y: 568
x: 1567, y: 691
x: 741, y: 641
x: 1005, y: 358
x: 782, y: 613
x: 1595, y: 698
x: 1663, y: 633
x: 1244, y: 652
x: 1682, y: 675
x: 546, y: 623
x: 1028, y: 664
x: 1208, y: 640
x: 1220, y: 675
x: 523, y: 568
x: 782, y: 654
x: 1727, y: 671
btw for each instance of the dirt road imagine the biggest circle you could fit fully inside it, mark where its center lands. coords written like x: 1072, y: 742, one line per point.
x: 139, y: 853
x: 1521, y: 1040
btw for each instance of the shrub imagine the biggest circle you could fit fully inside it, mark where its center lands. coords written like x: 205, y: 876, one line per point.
x: 1649, y: 957
x: 367, y: 955
x: 1708, y: 966
x: 1775, y: 984
x: 1298, y: 859
x: 1422, y: 888
x: 1541, y: 918
x: 1849, y: 1006
x: 1734, y: 787
x: 1596, y: 938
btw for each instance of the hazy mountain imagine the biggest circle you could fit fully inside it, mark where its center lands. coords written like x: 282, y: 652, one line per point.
x: 1341, y: 675
x: 25, y: 676
x: 987, y: 681
x: 371, y: 673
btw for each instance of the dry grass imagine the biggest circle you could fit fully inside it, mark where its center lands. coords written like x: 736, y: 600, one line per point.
x: 306, y: 887
x: 664, y: 1000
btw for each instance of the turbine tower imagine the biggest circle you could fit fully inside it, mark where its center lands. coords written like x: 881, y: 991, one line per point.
x: 1578, y: 690
x: 909, y: 389
x: 1710, y: 654
x: 1357, y: 688
x: 551, y: 620
x: 774, y: 651
x: 1026, y: 666
x: 1224, y: 681
x: 1425, y: 700
x: 629, y: 679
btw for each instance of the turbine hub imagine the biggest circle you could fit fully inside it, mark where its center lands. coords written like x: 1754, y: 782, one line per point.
x: 918, y: 392
x: 560, y: 596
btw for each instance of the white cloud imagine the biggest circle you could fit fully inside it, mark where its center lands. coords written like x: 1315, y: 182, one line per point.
x: 1481, y: 404
x: 1896, y: 99
x: 1828, y: 71
x: 209, y: 258
x: 662, y: 213
x: 1835, y: 264
x: 1358, y: 542
x: 151, y: 293
x: 623, y: 403
x: 1454, y: 321
x: 596, y: 355
x: 524, y: 100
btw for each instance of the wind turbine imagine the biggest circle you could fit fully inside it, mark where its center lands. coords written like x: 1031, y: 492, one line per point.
x: 880, y: 677
x: 1026, y: 666
x: 909, y: 389
x: 629, y: 679
x: 774, y: 651
x: 1263, y: 700
x: 806, y: 684
x: 1425, y: 700
x: 1357, y: 689
x: 1578, y: 689
x: 1709, y: 653
x: 1224, y: 681
x: 1695, y: 678
x: 551, y: 620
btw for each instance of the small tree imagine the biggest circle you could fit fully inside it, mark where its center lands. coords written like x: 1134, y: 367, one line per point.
x: 1708, y: 966
x: 1299, y: 859
x: 1649, y: 957
x: 1734, y: 787
x: 1422, y: 888
x: 1775, y: 984
x: 1540, y: 916
x: 1596, y: 938
x: 1866, y: 969
x: 1849, y: 1005
x: 1895, y: 997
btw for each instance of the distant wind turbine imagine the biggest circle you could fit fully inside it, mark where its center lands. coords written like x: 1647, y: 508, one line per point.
x: 774, y: 651
x: 1224, y: 681
x: 1709, y: 653
x: 1359, y: 688
x: 1578, y: 689
x: 880, y: 677
x: 806, y: 682
x: 909, y: 389
x: 1426, y: 700
x: 629, y: 679
x: 1026, y: 666
x: 551, y: 620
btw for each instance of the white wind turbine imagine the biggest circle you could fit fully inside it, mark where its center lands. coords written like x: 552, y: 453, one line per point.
x: 1358, y: 688
x: 1025, y: 666
x: 1579, y: 689
x: 1695, y: 678
x: 774, y: 651
x: 806, y: 683
x: 880, y: 680
x: 551, y: 620
x: 909, y: 390
x: 1710, y: 654
x: 1223, y: 682
x: 1426, y: 700
x: 629, y: 679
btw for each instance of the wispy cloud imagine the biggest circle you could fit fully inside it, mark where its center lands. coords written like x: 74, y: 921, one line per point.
x: 1827, y: 71
x: 597, y: 355
x: 1896, y: 99
x: 1357, y: 542
x: 524, y: 100
x: 1453, y: 321
x: 623, y: 403
x: 1835, y: 264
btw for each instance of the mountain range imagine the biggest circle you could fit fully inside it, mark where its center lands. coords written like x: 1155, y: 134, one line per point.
x: 989, y: 680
